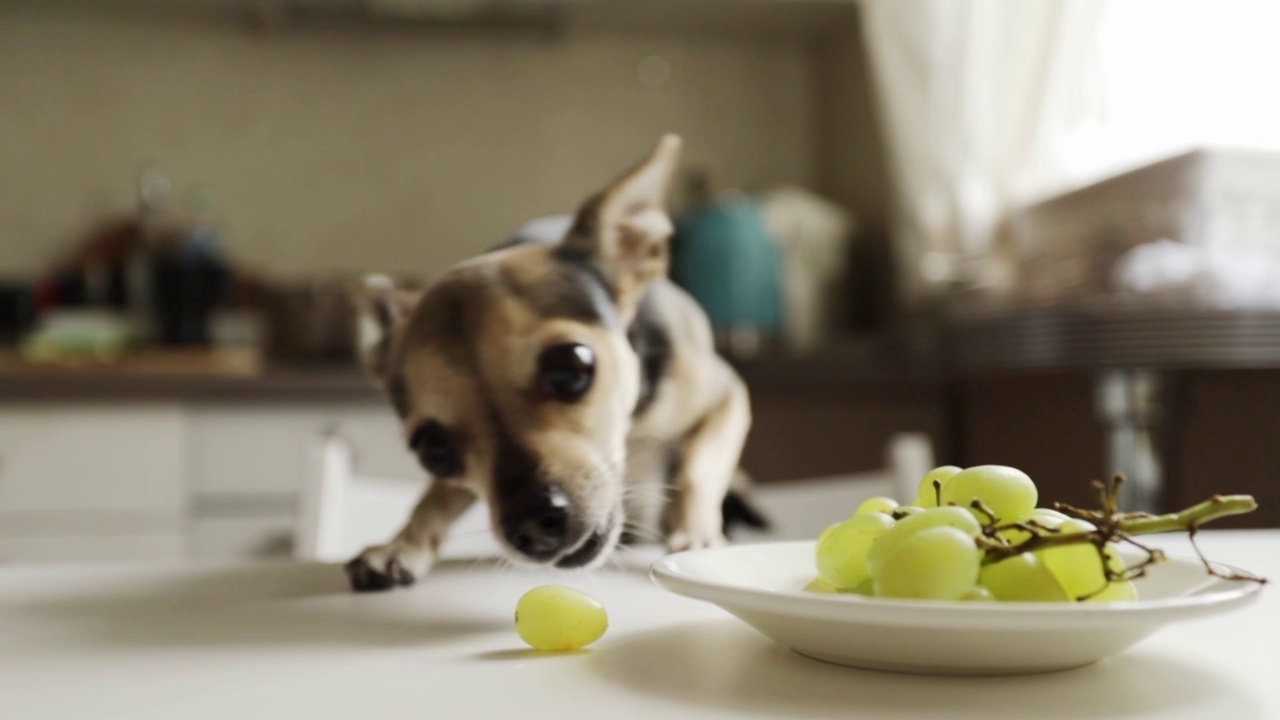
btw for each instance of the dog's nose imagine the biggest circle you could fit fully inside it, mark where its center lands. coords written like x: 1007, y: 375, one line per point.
x: 539, y: 526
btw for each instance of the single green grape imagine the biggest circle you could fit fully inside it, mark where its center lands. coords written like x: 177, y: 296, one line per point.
x: 877, y: 504
x: 842, y: 555
x: 866, y: 588
x: 954, y: 517
x: 1048, y: 514
x: 823, y: 535
x: 818, y: 585
x: 1077, y: 568
x: 557, y: 618
x: 1017, y: 536
x: 1007, y: 492
x: 1115, y: 563
x: 940, y: 563
x: 1021, y: 578
x: 978, y: 593
x: 926, y: 493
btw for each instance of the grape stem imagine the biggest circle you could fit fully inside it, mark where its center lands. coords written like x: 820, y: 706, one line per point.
x: 1215, y: 508
x: 1115, y: 526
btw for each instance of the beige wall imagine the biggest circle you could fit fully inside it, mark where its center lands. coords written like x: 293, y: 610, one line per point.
x: 366, y: 150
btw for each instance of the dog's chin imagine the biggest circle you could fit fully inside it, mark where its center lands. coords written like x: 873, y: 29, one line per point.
x: 589, y: 553
x: 593, y: 551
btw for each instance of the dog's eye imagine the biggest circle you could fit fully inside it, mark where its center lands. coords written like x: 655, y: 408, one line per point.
x: 565, y: 372
x: 436, y: 450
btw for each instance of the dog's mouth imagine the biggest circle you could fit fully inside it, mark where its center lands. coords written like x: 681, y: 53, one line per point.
x: 546, y: 531
x: 592, y: 547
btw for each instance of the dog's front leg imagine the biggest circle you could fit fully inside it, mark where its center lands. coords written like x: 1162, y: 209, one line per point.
x: 709, y: 459
x: 413, y: 551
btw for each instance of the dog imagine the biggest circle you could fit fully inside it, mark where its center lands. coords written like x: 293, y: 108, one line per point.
x: 563, y: 379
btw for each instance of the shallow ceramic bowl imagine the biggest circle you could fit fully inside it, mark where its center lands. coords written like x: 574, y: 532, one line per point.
x: 764, y: 586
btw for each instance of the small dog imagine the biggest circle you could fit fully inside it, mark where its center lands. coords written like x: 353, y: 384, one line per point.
x: 564, y: 380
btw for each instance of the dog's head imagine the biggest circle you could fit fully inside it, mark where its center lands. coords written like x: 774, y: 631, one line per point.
x: 513, y: 374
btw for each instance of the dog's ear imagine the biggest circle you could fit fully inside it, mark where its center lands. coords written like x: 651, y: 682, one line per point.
x: 624, y: 230
x: 381, y: 309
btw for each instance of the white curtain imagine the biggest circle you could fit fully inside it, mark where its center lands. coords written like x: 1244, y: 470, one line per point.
x: 987, y: 104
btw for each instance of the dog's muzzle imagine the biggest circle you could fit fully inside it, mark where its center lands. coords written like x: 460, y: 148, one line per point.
x: 541, y: 525
x: 590, y: 549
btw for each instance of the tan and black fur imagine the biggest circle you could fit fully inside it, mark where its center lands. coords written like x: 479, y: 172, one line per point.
x: 484, y: 368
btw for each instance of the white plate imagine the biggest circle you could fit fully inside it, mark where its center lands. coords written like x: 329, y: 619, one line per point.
x: 763, y: 585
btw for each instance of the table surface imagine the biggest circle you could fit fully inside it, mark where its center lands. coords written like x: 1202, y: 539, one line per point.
x: 287, y: 640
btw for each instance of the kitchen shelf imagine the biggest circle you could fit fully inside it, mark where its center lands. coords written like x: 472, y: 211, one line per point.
x: 788, y: 20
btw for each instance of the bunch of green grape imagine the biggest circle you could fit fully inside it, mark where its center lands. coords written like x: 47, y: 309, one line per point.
x: 934, y: 548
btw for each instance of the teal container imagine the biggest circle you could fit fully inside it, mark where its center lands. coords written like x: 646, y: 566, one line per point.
x: 724, y: 256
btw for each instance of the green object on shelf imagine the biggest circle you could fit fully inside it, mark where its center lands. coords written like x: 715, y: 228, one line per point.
x: 725, y: 258
x: 76, y: 336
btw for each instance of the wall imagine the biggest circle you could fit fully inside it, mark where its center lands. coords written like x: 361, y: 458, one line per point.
x: 360, y: 149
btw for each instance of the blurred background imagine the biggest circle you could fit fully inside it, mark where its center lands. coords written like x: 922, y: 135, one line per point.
x: 1037, y: 233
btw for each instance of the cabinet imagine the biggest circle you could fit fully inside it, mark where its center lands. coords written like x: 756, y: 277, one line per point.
x: 66, y: 459
x: 246, y: 463
x: 196, y: 478
x: 80, y: 484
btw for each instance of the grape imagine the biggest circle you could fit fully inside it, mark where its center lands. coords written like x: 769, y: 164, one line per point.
x: 866, y: 587
x: 1021, y: 578
x: 1008, y: 492
x: 842, y: 555
x: 940, y: 563
x: 1078, y: 568
x: 558, y: 618
x: 1047, y: 514
x: 1017, y: 536
x: 978, y: 593
x: 877, y: 504
x: 1115, y: 563
x: 826, y: 532
x: 926, y: 494
x: 954, y: 517
x: 818, y: 585
x: 904, y: 510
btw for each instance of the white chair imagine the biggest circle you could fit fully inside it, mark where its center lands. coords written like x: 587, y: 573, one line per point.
x: 340, y: 512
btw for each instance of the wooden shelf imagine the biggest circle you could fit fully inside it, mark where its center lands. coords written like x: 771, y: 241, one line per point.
x: 239, y: 363
x: 764, y: 19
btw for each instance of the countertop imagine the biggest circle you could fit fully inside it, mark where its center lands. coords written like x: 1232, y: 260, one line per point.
x: 286, y: 640
x: 182, y: 375
x: 855, y: 367
x: 292, y: 383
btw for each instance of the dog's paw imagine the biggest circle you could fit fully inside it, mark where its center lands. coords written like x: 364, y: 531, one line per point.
x: 682, y: 540
x: 383, y: 567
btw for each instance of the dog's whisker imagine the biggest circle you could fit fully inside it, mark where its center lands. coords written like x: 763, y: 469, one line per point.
x: 647, y: 493
x: 641, y: 530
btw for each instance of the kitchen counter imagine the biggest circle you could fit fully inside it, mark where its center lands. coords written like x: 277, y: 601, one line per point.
x: 857, y: 368
x: 181, y: 375
x: 106, y: 385
x: 286, y: 640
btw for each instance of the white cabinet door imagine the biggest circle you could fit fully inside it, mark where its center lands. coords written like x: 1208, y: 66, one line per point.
x: 68, y: 459
x: 238, y: 538
x: 251, y: 450
x: 42, y: 549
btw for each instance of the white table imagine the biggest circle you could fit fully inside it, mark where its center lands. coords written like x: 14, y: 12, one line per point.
x: 288, y: 641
